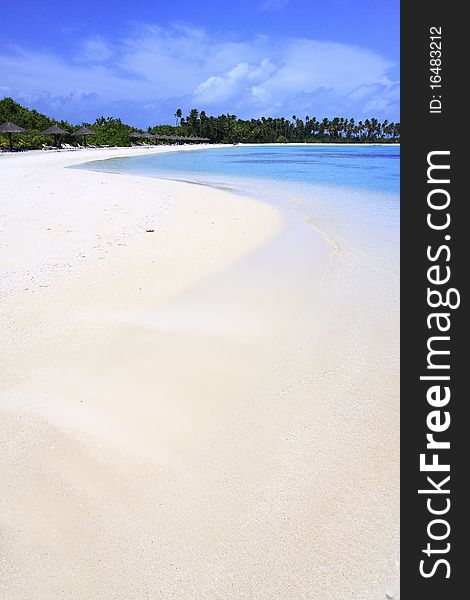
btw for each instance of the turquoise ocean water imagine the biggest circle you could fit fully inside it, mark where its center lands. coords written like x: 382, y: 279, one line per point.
x: 370, y: 167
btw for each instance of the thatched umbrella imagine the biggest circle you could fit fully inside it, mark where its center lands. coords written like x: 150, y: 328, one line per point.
x: 55, y: 131
x: 11, y: 128
x: 84, y: 131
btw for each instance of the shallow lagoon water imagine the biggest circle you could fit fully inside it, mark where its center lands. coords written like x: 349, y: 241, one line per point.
x: 374, y: 168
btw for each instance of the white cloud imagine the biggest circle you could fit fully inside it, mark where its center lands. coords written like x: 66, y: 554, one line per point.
x: 239, y: 80
x: 183, y: 66
x: 261, y: 95
x: 94, y: 49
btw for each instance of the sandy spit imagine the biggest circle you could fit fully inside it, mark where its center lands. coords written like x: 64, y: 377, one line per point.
x: 177, y: 422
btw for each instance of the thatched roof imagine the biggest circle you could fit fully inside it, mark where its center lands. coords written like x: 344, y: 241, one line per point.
x: 137, y: 134
x: 9, y: 127
x: 177, y: 138
x: 84, y: 131
x: 54, y: 130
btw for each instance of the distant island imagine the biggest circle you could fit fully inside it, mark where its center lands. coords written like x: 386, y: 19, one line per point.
x: 221, y: 129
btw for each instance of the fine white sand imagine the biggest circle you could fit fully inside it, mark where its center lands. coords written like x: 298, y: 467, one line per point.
x: 207, y: 410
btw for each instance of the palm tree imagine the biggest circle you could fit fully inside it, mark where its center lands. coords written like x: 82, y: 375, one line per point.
x: 193, y: 121
x: 351, y: 127
x: 360, y: 129
x: 313, y: 126
x: 384, y: 128
x: 203, y: 119
x: 178, y: 114
x: 374, y: 127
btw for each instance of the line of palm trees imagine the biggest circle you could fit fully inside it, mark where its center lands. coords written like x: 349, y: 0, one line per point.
x: 229, y: 128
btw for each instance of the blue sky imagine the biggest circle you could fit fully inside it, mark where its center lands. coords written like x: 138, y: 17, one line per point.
x: 142, y: 59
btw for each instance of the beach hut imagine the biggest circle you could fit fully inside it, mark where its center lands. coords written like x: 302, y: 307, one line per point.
x: 10, y: 128
x: 142, y: 136
x: 159, y: 138
x: 136, y: 135
x: 55, y: 131
x: 84, y: 131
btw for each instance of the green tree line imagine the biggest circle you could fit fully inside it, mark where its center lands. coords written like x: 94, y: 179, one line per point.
x: 224, y: 128
x: 228, y: 128
x: 108, y: 131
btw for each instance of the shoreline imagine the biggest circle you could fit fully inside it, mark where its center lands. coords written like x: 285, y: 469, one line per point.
x: 185, y: 148
x: 183, y: 406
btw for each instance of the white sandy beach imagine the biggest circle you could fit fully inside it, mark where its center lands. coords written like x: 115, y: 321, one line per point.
x: 181, y: 418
